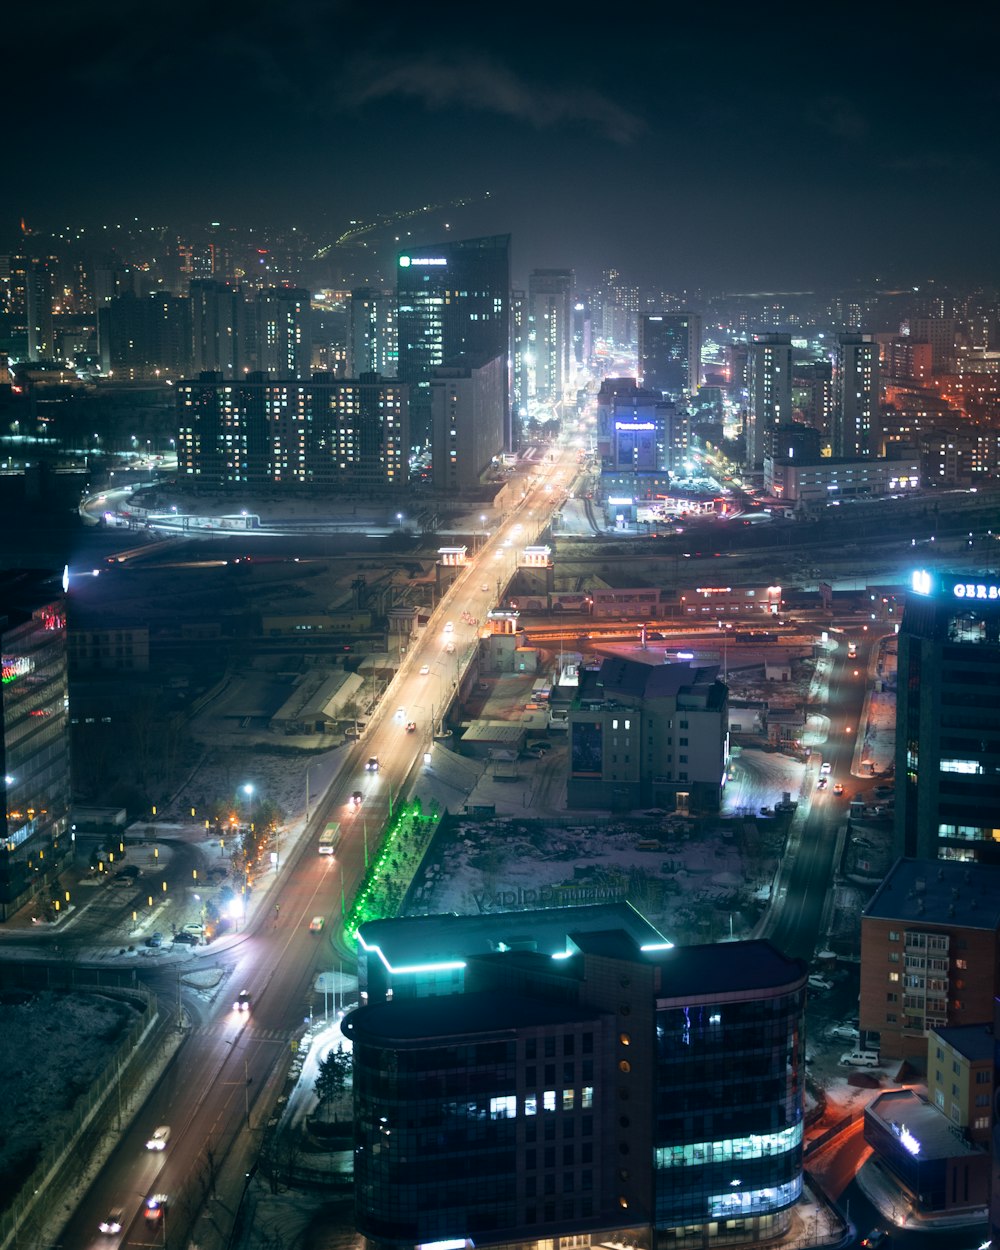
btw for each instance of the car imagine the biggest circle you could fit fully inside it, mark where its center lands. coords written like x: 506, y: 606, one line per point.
x: 155, y: 1206
x: 242, y: 1002
x: 860, y: 1058
x: 112, y: 1222
x: 825, y: 768
x: 193, y: 927
x: 877, y: 1237
x: 186, y: 939
x: 424, y: 669
x: 449, y: 627
x: 357, y: 798
x: 372, y: 765
x: 822, y: 783
x: 839, y: 788
x: 449, y: 647
x: 816, y: 982
x: 847, y: 1032
x: 155, y: 939
x: 159, y: 1138
x: 401, y: 713
x: 485, y: 588
x: 316, y: 924
x: 411, y: 726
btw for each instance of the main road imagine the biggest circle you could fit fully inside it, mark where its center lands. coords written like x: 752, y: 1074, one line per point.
x: 218, y: 1081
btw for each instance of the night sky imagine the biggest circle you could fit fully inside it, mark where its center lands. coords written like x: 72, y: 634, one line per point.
x: 750, y: 147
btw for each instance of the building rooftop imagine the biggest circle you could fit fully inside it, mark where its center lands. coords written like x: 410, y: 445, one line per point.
x: 903, y: 1112
x: 975, y: 1042
x: 949, y: 893
x: 653, y: 681
x: 411, y: 941
x: 718, y: 969
x: 417, y: 1020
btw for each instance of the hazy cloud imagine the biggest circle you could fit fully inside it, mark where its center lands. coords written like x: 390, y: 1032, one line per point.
x: 479, y: 83
x: 838, y: 117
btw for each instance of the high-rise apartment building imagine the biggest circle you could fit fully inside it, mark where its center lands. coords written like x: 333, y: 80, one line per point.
x: 670, y: 353
x: 940, y: 333
x: 371, y: 333
x: 145, y: 336
x: 526, y: 1079
x: 550, y: 300
x: 453, y: 309
x: 34, y: 736
x: 947, y: 731
x: 770, y: 391
x: 856, y: 423
x: 218, y: 324
x: 284, y: 332
x: 468, y: 428
x: 266, y: 433
x: 520, y: 328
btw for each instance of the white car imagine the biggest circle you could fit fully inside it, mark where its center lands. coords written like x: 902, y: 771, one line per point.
x: 847, y: 1032
x: 825, y: 768
x: 161, y: 1136
x: 449, y: 627
x: 819, y: 983
x: 424, y: 669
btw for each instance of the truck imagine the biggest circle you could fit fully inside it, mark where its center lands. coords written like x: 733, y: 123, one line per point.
x: 329, y: 839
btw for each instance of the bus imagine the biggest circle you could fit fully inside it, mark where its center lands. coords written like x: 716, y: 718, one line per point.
x: 329, y: 839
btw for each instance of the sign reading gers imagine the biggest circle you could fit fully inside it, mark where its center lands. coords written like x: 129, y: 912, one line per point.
x: 923, y: 583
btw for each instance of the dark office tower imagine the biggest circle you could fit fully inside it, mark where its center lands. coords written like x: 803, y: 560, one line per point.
x: 453, y: 309
x: 518, y: 1086
x: 34, y: 747
x: 371, y: 333
x: 550, y: 305
x: 670, y: 353
x: 770, y: 391
x: 145, y: 337
x: 39, y: 309
x: 947, y: 729
x: 856, y: 398
x: 812, y: 394
x: 284, y: 332
x: 216, y: 321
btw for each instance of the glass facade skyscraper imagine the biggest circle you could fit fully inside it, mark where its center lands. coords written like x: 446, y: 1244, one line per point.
x: 34, y: 746
x: 453, y: 309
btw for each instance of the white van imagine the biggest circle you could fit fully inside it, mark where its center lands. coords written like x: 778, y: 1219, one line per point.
x: 861, y: 1058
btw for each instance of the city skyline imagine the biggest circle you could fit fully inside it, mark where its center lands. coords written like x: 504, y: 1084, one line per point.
x: 725, y: 149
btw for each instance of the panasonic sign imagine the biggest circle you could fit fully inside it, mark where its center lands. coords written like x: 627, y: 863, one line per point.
x: 634, y: 425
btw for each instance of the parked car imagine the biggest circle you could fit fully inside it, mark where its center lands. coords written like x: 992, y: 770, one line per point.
x: 860, y: 1058
x: 816, y: 982
x: 186, y: 939
x: 846, y: 1032
x: 155, y: 939
x: 159, y: 1138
